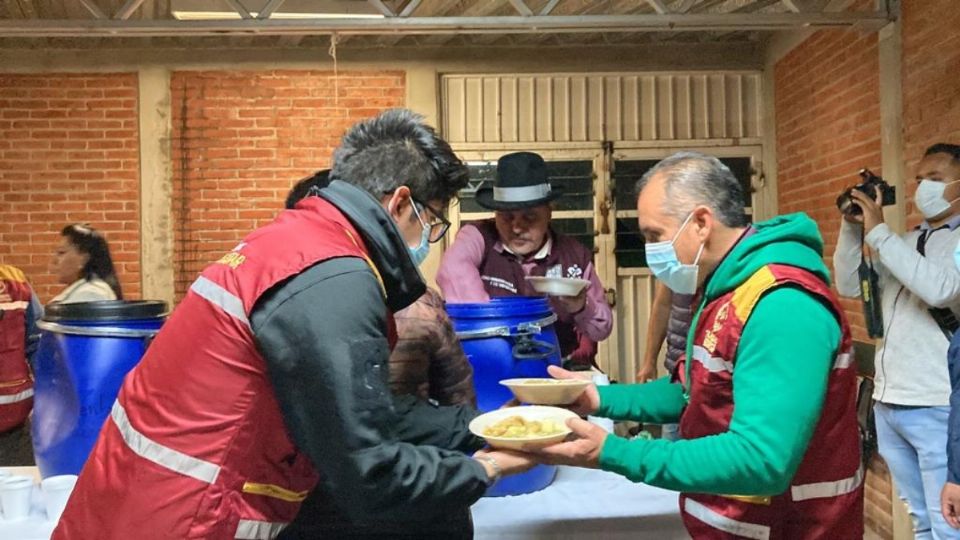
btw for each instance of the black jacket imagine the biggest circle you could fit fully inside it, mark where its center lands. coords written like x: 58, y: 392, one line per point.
x: 323, y: 336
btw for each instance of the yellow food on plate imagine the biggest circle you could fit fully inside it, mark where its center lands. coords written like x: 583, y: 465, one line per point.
x: 515, y: 427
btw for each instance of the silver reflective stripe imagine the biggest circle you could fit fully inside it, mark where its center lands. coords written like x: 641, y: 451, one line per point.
x: 167, y: 458
x: 258, y: 530
x: 13, y: 306
x: 220, y: 297
x: 843, y: 361
x: 725, y: 524
x: 822, y: 490
x: 521, y: 194
x: 712, y: 363
x: 26, y: 394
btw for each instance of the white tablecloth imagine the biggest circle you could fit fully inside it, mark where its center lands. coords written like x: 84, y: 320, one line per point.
x: 582, y: 503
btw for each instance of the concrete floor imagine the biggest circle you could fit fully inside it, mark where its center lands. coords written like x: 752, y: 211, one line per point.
x: 16, y: 448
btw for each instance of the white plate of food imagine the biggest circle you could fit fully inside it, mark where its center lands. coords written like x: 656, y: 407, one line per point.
x: 515, y: 428
x: 546, y: 391
x: 557, y: 286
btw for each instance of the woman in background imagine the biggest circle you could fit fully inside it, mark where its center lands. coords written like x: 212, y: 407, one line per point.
x: 82, y: 262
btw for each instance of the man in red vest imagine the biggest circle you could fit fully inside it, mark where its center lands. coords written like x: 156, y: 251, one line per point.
x: 19, y: 311
x: 427, y: 363
x: 765, y: 393
x: 271, y: 374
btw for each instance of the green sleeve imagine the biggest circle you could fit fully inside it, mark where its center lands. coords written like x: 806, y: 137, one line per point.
x: 779, y: 386
x: 658, y: 402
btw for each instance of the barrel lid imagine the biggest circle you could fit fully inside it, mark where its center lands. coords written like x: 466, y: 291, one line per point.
x: 105, y: 310
x: 510, y: 306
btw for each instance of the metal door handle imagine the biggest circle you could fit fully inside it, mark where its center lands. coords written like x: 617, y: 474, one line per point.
x: 611, y: 297
x: 605, y: 217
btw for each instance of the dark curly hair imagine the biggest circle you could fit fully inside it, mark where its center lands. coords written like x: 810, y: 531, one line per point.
x: 303, y: 187
x: 99, y: 264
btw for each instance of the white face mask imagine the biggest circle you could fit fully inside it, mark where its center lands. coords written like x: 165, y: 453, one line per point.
x: 929, y: 198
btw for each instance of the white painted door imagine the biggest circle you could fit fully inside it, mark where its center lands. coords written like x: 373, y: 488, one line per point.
x: 567, y: 117
x: 626, y: 266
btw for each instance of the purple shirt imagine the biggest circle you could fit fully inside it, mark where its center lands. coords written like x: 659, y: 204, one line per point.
x: 459, y: 279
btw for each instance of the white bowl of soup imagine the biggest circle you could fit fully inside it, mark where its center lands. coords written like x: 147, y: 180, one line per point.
x: 516, y: 428
x: 557, y: 286
x: 546, y: 391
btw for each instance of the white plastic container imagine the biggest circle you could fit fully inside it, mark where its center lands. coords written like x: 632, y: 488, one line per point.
x: 15, y: 497
x: 56, y: 492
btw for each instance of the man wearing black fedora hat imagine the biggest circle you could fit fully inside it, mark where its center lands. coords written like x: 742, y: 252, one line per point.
x: 492, y: 258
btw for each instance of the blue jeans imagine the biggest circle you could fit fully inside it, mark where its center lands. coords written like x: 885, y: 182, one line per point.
x: 913, y: 442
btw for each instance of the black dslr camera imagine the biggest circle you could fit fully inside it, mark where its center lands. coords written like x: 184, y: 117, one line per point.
x: 871, y: 183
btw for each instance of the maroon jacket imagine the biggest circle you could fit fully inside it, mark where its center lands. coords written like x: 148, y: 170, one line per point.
x: 503, y: 275
x: 428, y: 361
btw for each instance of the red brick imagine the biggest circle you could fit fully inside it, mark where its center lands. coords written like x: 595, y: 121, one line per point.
x: 245, y: 138
x: 931, y: 97
x: 827, y: 107
x: 66, y: 176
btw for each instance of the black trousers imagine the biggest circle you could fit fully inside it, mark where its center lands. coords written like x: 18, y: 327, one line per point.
x: 320, y: 517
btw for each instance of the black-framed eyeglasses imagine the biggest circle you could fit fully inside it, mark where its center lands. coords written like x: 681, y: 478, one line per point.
x: 438, y: 224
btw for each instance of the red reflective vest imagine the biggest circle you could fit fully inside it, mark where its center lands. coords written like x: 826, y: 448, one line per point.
x: 195, y: 446
x: 16, y: 381
x: 825, y: 498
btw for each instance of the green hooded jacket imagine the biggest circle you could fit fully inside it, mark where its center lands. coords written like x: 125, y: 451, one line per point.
x: 783, y: 362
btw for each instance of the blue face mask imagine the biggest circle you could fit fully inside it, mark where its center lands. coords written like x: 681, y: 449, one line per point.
x: 663, y: 262
x: 420, y: 252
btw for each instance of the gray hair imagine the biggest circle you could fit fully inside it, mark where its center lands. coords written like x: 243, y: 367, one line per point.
x: 396, y: 149
x: 694, y: 179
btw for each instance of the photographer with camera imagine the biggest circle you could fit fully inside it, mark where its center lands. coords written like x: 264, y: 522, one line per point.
x: 910, y: 287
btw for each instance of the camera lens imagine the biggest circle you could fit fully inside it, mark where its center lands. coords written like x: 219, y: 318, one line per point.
x: 847, y: 205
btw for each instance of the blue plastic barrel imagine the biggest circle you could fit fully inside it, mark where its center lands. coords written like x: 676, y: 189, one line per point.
x: 509, y: 337
x: 85, y: 351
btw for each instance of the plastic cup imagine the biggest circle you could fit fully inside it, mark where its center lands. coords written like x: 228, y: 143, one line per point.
x: 15, y: 497
x: 56, y: 492
x: 3, y: 475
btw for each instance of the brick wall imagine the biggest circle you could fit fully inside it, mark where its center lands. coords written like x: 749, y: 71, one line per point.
x: 931, y: 93
x: 242, y: 138
x: 69, y: 153
x: 828, y: 127
x: 877, y: 500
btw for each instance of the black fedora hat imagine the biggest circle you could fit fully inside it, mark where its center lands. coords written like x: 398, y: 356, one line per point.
x: 521, y: 182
